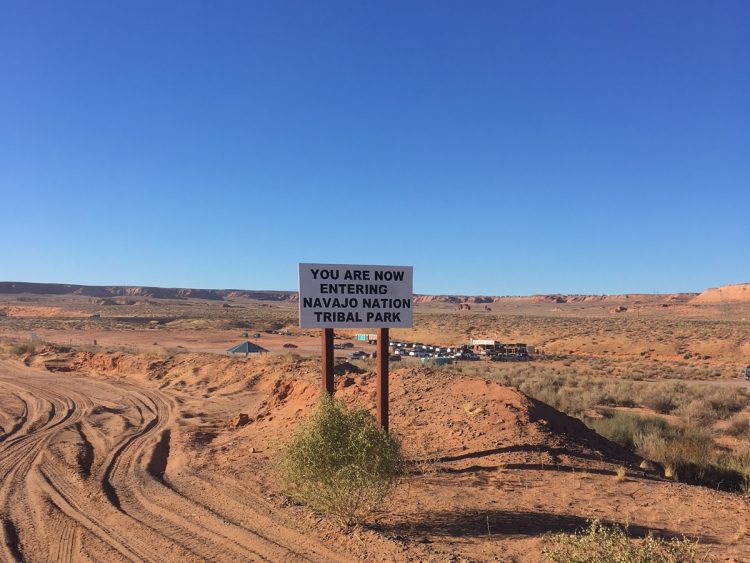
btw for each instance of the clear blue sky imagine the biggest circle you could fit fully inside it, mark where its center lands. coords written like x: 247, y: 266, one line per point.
x: 498, y: 147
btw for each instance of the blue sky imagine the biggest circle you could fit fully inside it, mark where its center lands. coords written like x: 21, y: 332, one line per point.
x: 498, y: 147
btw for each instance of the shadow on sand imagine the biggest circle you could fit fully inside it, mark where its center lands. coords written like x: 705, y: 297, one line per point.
x: 489, y: 523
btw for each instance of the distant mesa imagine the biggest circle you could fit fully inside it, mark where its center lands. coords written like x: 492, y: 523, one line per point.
x: 105, y: 294
x: 116, y: 294
x: 736, y: 293
x: 556, y: 298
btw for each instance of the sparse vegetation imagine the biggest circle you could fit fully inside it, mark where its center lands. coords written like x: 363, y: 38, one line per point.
x: 601, y: 543
x: 621, y: 473
x: 23, y: 348
x: 686, y: 453
x: 629, y: 430
x: 339, y: 463
x: 739, y: 425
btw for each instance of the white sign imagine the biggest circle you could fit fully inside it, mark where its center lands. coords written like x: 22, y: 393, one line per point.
x: 352, y: 296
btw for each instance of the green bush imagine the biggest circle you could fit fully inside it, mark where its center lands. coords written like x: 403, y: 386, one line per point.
x: 600, y: 543
x: 23, y: 349
x: 339, y: 463
x: 628, y: 429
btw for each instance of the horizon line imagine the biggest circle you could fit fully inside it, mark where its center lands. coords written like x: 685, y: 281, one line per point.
x: 415, y: 293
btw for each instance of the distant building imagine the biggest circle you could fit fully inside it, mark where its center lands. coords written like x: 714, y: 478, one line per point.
x: 371, y: 338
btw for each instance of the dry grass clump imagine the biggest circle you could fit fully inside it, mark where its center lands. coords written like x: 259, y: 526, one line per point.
x: 23, y: 348
x: 697, y: 412
x: 662, y: 399
x: 571, y: 393
x: 708, y: 404
x: 739, y: 425
x: 687, y: 453
x: 629, y: 430
x: 601, y: 543
x: 339, y: 463
x: 576, y: 393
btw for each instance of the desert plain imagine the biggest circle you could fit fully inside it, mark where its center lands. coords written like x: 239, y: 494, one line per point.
x: 128, y: 434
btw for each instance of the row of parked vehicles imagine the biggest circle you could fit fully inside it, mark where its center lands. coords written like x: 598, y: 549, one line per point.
x: 419, y: 350
x: 440, y: 355
x: 521, y: 355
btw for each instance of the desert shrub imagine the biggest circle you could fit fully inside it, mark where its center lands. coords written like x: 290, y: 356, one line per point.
x: 739, y: 425
x: 619, y: 394
x: 601, y: 543
x: 708, y: 404
x: 738, y: 461
x: 687, y: 453
x: 338, y: 462
x: 628, y: 429
x: 23, y: 349
x: 697, y: 412
x: 726, y: 402
x: 663, y: 404
x: 684, y: 449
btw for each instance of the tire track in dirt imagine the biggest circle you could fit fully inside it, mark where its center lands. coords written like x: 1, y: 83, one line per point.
x: 141, y: 464
x: 87, y: 472
x: 19, y: 421
x: 23, y: 471
x: 19, y: 456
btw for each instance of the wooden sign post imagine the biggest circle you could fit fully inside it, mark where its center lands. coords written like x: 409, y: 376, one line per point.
x: 382, y: 385
x: 348, y: 296
x: 326, y: 358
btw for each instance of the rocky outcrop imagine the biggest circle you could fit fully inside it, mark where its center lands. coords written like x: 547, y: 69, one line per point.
x: 737, y: 293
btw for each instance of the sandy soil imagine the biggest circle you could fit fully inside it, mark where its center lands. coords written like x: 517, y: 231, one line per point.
x: 128, y: 451
x: 84, y: 477
x: 209, y: 341
x: 117, y: 457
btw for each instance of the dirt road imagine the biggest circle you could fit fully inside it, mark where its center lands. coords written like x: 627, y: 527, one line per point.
x: 90, y: 469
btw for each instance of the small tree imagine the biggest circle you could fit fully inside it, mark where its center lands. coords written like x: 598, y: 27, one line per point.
x: 338, y: 462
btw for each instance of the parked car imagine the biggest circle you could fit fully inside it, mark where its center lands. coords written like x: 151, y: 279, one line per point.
x: 394, y: 358
x: 359, y: 354
x: 747, y: 373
